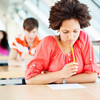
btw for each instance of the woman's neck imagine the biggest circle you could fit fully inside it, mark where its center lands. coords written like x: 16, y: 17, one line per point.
x: 65, y: 46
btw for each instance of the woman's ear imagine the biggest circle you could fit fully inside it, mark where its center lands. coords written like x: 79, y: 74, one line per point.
x: 59, y: 38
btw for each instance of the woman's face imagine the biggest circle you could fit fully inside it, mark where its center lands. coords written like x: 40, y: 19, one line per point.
x: 69, y: 31
x: 1, y: 35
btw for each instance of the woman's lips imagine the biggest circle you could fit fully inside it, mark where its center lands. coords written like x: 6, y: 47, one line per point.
x: 71, y: 41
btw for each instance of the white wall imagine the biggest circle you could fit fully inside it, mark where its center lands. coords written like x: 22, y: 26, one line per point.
x: 10, y: 25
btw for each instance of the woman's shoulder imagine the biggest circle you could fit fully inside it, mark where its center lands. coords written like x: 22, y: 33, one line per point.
x: 47, y: 44
x: 48, y: 40
x: 83, y: 35
x: 83, y: 39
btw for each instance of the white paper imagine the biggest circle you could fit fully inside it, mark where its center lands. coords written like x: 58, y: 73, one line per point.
x: 65, y: 86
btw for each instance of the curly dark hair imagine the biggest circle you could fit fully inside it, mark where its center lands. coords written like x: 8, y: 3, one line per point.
x: 67, y: 9
x: 4, y: 41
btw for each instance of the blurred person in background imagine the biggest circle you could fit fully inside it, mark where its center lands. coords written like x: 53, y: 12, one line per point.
x: 24, y: 44
x: 68, y: 57
x: 4, y: 46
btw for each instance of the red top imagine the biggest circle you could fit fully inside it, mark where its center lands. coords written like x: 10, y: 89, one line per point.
x: 50, y: 57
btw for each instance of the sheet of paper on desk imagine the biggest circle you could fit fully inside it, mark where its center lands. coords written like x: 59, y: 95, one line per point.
x: 65, y: 86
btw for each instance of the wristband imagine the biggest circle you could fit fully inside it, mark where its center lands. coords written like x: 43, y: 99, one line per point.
x: 64, y: 82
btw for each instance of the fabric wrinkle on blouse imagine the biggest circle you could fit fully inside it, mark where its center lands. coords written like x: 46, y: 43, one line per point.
x: 49, y: 57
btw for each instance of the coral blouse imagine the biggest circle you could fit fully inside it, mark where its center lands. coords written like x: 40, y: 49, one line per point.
x: 49, y: 57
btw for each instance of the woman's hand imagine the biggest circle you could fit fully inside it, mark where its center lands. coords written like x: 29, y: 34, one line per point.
x: 69, y: 70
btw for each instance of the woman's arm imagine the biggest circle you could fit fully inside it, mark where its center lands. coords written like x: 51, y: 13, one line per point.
x: 80, y: 78
x: 50, y: 77
x: 42, y: 79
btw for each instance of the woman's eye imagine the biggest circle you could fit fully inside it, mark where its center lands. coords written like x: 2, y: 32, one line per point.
x: 65, y: 32
x: 75, y: 31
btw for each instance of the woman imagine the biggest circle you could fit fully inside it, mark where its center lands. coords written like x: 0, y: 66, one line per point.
x: 54, y: 54
x: 4, y: 47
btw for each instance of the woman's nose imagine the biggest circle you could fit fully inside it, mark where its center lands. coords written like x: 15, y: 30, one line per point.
x: 70, y: 36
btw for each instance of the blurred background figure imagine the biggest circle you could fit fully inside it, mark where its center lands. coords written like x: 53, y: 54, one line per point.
x: 4, y: 47
x: 24, y: 44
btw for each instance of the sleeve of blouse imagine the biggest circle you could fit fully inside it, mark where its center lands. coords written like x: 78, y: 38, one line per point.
x: 41, y: 59
x: 90, y: 63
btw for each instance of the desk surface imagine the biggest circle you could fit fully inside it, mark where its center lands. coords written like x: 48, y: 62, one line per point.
x: 42, y: 92
x: 4, y: 60
x: 4, y: 57
x: 11, y: 72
